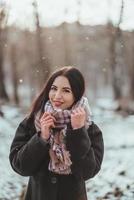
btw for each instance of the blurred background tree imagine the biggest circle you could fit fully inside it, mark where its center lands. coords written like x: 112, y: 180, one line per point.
x: 104, y: 53
x: 3, y: 34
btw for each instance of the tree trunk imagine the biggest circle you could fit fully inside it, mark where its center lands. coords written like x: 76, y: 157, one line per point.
x: 14, y: 74
x: 116, y: 83
x: 116, y: 56
x: 42, y: 64
x: 66, y: 45
x: 3, y: 93
x: 132, y: 78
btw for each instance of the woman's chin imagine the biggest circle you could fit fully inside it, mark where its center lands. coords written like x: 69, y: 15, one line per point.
x: 61, y: 107
x: 58, y: 107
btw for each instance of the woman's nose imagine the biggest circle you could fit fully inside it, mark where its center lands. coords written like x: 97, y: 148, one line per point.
x: 58, y: 94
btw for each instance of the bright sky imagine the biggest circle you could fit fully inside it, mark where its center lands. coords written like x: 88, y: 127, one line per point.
x: 54, y: 12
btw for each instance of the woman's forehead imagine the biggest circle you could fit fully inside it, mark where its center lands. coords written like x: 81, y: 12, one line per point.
x: 61, y: 81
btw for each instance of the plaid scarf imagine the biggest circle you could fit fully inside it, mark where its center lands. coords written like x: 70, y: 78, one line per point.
x: 60, y: 161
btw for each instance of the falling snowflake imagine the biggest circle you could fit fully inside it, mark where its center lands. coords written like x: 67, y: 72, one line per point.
x: 50, y: 38
x: 5, y: 45
x: 20, y: 80
x: 104, y: 69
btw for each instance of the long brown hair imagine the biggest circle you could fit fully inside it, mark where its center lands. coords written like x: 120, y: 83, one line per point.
x: 75, y: 79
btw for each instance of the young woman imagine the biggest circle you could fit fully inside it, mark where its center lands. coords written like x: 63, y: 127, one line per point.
x: 57, y: 144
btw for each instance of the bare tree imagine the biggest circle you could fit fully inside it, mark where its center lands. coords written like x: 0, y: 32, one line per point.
x: 116, y: 54
x: 132, y: 77
x: 14, y: 73
x: 43, y: 64
x: 66, y: 43
x: 3, y: 93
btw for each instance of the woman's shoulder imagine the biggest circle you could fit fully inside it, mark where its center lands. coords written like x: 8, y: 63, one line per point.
x: 94, y: 129
x: 26, y: 124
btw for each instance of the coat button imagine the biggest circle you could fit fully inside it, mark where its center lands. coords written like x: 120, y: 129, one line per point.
x: 53, y: 179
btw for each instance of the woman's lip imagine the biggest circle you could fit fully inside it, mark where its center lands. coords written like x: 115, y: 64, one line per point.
x: 57, y: 103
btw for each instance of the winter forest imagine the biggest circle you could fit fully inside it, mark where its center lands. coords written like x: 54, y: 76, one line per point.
x: 37, y: 37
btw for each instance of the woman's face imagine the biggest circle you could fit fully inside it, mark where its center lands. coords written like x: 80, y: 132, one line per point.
x: 60, y: 94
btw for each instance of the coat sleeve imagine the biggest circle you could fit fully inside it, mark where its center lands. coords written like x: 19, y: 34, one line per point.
x: 86, y: 148
x: 27, y: 150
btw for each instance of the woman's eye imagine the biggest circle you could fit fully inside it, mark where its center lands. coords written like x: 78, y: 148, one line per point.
x: 67, y: 91
x: 53, y: 88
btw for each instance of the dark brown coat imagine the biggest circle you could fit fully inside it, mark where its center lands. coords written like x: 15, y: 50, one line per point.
x: 29, y: 157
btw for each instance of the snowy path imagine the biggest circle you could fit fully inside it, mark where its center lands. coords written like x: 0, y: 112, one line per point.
x: 114, y: 182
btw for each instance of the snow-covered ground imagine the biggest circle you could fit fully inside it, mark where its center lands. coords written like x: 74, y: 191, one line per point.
x: 115, y: 181
x: 10, y: 183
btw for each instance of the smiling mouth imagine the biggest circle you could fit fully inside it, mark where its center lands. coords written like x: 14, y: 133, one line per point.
x: 57, y: 103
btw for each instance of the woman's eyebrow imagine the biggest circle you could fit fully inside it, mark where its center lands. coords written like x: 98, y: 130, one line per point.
x: 53, y: 85
x: 67, y: 88
x: 62, y: 88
